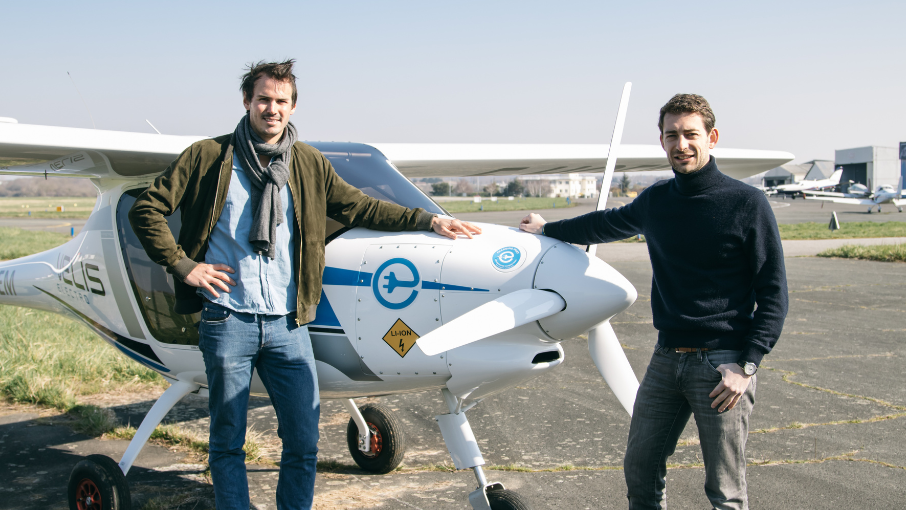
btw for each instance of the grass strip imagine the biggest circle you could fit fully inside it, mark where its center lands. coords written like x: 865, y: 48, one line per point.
x: 854, y: 230
x: 50, y: 360
x: 46, y: 207
x: 17, y: 242
x: 877, y: 252
x: 502, y: 204
x: 849, y: 230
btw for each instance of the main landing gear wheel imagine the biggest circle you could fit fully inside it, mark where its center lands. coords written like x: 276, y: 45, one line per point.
x: 503, y: 499
x: 388, y: 444
x: 98, y: 483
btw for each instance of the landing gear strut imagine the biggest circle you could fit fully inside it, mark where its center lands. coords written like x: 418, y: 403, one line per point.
x: 98, y: 482
x: 464, y: 450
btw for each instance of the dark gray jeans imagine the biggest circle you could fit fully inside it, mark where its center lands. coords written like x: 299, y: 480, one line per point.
x: 676, y: 386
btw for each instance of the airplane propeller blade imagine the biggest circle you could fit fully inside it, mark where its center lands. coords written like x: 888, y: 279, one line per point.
x: 611, y: 361
x: 502, y: 314
x: 612, y: 155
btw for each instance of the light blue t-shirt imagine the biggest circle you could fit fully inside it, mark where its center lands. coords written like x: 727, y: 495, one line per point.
x: 264, y: 286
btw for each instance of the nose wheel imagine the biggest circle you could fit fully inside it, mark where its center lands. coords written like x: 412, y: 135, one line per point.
x: 503, y: 499
x: 98, y: 483
x: 387, y: 444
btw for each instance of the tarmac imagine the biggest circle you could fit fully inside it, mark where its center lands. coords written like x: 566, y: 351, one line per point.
x: 826, y: 431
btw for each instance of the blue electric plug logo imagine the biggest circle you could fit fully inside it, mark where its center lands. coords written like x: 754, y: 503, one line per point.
x: 384, y: 286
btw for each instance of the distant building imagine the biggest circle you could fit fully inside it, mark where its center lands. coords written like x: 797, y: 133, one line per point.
x: 781, y: 175
x: 570, y: 185
x: 791, y: 173
x: 903, y: 162
x: 872, y: 166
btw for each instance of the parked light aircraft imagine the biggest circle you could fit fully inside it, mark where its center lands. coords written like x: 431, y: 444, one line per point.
x: 858, y: 195
x: 399, y: 312
x: 796, y: 189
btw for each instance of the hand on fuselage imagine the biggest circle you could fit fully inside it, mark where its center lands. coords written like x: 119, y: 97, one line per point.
x: 452, y: 228
x: 532, y: 223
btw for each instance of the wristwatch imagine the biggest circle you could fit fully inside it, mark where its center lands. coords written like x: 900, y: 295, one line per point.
x: 748, y: 368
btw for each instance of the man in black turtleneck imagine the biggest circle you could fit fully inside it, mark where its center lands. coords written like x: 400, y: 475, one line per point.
x: 718, y: 296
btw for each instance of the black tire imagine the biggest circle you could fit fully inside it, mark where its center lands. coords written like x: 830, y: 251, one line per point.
x: 388, y: 443
x: 503, y: 499
x: 99, y: 478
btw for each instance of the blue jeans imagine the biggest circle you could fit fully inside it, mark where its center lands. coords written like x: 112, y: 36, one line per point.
x: 234, y: 344
x: 676, y: 385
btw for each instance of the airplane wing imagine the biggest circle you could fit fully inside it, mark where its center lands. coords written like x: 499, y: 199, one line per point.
x: 851, y: 201
x: 75, y: 152
x: 443, y: 160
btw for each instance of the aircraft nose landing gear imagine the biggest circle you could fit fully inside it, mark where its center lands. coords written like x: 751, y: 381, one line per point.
x: 464, y: 450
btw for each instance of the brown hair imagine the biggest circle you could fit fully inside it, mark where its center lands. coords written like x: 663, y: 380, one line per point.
x: 688, y: 103
x: 282, y: 71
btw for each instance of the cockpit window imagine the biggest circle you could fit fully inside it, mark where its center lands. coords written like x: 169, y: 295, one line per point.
x: 367, y: 169
x: 151, y: 284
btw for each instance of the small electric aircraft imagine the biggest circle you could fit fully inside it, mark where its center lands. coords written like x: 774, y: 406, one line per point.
x: 797, y: 189
x: 400, y: 312
x: 859, y: 195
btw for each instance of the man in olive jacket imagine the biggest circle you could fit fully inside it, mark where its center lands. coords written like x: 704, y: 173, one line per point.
x: 254, y: 206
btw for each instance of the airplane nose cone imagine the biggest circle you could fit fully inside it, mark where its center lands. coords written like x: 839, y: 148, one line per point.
x: 593, y: 291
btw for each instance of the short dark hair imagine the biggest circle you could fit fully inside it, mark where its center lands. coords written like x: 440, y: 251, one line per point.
x: 282, y: 71
x: 688, y: 103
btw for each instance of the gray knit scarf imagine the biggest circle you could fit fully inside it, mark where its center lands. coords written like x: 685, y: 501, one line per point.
x: 266, y: 182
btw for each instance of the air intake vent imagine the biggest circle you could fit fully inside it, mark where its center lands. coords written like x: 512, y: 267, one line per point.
x: 546, y: 357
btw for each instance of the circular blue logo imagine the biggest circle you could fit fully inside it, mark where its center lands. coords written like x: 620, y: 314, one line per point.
x: 387, y: 288
x: 506, y: 258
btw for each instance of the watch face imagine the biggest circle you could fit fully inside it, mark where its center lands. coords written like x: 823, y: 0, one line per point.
x: 749, y: 369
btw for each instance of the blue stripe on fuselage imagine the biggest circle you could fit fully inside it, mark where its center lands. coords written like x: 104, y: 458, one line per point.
x: 346, y: 277
x: 143, y: 361
x: 352, y: 278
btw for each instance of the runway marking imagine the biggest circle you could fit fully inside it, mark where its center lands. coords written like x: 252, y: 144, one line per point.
x: 845, y: 356
x: 777, y: 205
x: 788, y: 374
x: 851, y: 306
x: 848, y: 456
x: 58, y: 226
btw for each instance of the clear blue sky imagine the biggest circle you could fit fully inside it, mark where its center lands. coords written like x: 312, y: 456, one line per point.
x: 779, y: 74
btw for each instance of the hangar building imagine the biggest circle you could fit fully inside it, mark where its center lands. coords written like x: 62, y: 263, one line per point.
x: 791, y: 173
x: 872, y: 166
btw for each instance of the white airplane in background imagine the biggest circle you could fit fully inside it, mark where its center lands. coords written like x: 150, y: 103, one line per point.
x: 858, y: 195
x: 400, y: 312
x: 796, y: 189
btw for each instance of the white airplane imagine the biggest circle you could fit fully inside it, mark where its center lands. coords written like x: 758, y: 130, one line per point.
x: 858, y: 195
x: 400, y: 312
x: 796, y: 189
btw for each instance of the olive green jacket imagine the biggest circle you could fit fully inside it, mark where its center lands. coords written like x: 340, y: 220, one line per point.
x: 197, y: 183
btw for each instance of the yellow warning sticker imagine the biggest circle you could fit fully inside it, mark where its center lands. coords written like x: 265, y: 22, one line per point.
x: 400, y: 337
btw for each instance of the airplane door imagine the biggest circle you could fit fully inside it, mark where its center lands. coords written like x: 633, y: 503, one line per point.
x: 400, y: 304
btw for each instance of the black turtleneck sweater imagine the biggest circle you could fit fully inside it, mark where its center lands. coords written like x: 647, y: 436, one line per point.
x: 715, y: 252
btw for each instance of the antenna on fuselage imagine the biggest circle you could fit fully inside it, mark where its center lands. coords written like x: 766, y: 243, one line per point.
x: 612, y: 155
x: 83, y: 100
